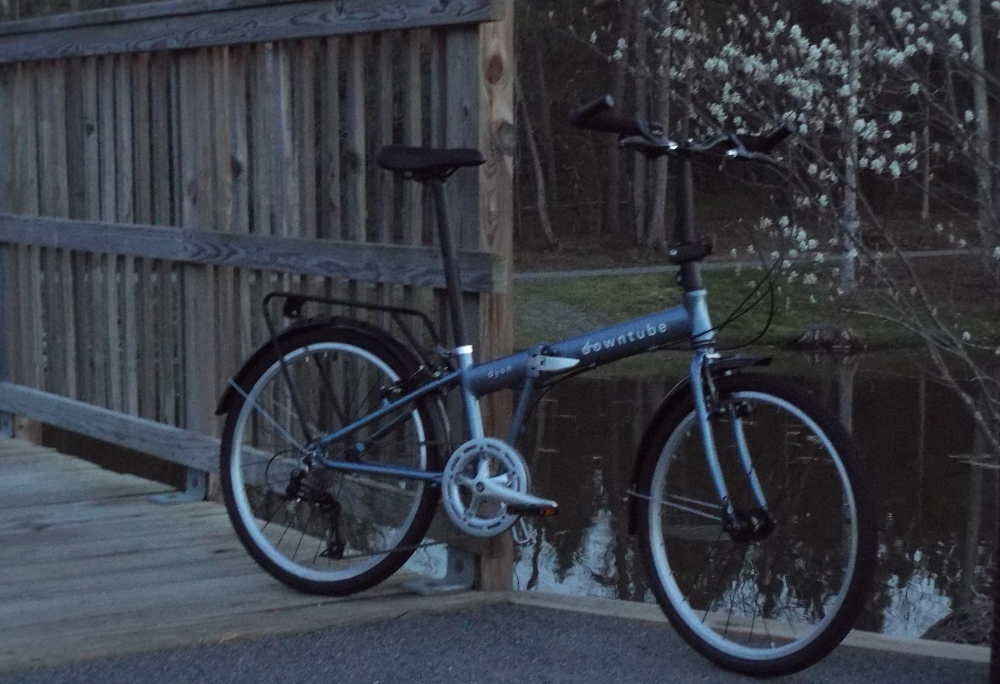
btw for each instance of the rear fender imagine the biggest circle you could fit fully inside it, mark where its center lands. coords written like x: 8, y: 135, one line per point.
x: 228, y: 399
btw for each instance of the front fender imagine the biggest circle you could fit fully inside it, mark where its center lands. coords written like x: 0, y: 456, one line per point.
x: 678, y: 394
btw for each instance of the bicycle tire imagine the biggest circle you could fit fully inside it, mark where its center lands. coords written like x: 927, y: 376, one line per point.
x: 792, y: 594
x: 345, y: 532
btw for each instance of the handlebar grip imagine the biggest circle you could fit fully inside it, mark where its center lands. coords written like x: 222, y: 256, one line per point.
x: 597, y: 116
x: 766, y: 143
x: 581, y: 115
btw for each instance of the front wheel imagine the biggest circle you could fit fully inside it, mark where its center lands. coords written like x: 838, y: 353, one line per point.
x: 773, y: 583
x: 317, y: 529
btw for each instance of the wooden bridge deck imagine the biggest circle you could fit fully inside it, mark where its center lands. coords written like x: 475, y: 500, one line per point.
x: 91, y: 567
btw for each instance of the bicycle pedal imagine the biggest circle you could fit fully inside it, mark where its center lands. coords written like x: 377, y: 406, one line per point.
x: 545, y: 511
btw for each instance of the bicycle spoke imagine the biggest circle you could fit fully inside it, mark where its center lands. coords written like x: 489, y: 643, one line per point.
x: 765, y: 590
x: 317, y: 527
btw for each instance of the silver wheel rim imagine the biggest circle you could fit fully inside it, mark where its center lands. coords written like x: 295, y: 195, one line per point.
x: 243, y: 507
x: 691, y: 616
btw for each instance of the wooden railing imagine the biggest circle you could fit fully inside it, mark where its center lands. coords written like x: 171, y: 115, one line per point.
x: 164, y: 165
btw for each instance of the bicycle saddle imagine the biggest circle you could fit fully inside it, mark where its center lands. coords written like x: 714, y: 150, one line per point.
x: 426, y: 161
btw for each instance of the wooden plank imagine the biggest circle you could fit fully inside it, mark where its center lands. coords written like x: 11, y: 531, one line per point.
x: 330, y: 215
x: 400, y: 264
x: 156, y: 305
x: 126, y: 285
x: 6, y: 149
x: 166, y: 570
x: 26, y: 201
x: 105, y: 293
x: 354, y: 173
x: 228, y: 350
x: 413, y: 134
x: 305, y: 130
x: 261, y: 104
x: 240, y: 212
x: 74, y: 515
x: 28, y: 496
x: 241, y: 622
x: 91, y: 367
x: 198, y: 304
x: 284, y: 171
x: 87, y: 537
x: 163, y: 441
x: 75, y: 276
x: 181, y: 26
x: 54, y: 201
x: 144, y: 344
x: 228, y: 615
x: 9, y: 300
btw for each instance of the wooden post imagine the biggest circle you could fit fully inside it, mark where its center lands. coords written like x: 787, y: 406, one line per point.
x: 6, y: 296
x: 497, y: 139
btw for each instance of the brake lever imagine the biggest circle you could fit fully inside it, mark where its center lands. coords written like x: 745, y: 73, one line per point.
x: 765, y: 159
x: 652, y: 140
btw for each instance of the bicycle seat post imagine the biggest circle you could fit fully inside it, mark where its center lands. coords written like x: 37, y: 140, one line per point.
x: 452, y: 276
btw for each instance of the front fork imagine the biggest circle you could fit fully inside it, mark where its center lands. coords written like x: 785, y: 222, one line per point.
x: 706, y: 402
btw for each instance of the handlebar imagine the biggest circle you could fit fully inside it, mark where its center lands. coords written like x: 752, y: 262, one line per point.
x: 648, y: 138
x: 597, y: 116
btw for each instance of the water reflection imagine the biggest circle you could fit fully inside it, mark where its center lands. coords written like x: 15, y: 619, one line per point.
x: 935, y: 526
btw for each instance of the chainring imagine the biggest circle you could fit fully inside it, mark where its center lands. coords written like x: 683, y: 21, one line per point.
x: 471, y: 510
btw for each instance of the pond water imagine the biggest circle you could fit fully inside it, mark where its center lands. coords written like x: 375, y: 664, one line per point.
x: 935, y: 515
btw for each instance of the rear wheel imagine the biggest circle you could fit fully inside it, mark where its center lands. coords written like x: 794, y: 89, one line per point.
x: 317, y: 529
x: 764, y: 590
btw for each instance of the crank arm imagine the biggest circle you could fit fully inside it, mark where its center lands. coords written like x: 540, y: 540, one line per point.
x: 497, y: 492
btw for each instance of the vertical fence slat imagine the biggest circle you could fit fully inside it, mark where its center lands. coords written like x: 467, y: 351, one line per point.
x: 354, y: 171
x: 143, y: 192
x: 163, y: 173
x: 26, y: 201
x: 198, y: 302
x: 228, y: 347
x: 239, y: 149
x: 89, y: 168
x: 106, y: 293
x: 413, y: 123
x: 260, y: 103
x: 355, y: 164
x: 306, y: 136
x: 329, y: 191
x: 9, y: 300
x: 125, y: 283
x: 75, y: 292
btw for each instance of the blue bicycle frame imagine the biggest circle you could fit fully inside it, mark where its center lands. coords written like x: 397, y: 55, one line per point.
x: 690, y: 321
x: 590, y: 350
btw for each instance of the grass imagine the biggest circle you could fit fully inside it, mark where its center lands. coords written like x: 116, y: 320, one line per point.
x: 556, y: 309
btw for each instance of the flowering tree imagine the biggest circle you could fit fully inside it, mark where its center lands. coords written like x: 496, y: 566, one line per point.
x: 882, y: 95
x: 894, y: 97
